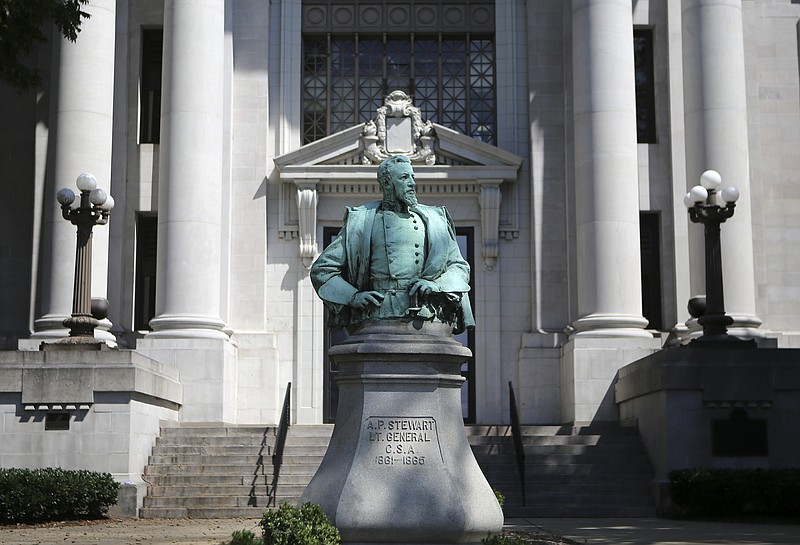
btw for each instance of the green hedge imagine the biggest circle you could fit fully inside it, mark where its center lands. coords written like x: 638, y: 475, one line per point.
x: 39, y: 495
x: 304, y: 525
x: 735, y: 492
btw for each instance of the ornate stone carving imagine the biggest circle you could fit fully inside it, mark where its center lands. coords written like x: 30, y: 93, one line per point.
x: 489, y: 199
x: 398, y: 129
x: 307, y: 221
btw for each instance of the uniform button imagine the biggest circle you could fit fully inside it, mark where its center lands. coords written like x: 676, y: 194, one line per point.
x: 416, y: 261
x: 416, y: 245
x: 416, y: 228
x: 416, y: 253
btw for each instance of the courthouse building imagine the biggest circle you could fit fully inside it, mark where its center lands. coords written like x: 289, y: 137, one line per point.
x: 561, y: 135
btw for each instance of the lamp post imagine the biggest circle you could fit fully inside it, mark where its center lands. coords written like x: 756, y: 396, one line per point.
x: 701, y: 202
x: 94, y: 208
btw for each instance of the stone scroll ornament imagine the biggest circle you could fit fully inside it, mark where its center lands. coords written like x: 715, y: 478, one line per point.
x: 398, y: 129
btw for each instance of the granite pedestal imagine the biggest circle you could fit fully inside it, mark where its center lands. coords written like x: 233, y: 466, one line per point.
x: 399, y: 468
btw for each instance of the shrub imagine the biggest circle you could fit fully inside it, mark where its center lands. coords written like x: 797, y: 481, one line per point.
x: 39, y: 495
x: 502, y: 539
x: 306, y: 525
x: 735, y: 492
x: 501, y: 499
x: 244, y: 537
x: 526, y: 537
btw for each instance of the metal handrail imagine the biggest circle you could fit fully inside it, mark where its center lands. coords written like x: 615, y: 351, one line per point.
x: 280, y: 441
x: 516, y: 432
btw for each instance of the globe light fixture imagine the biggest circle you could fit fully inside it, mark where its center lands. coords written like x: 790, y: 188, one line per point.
x: 94, y: 208
x: 701, y: 202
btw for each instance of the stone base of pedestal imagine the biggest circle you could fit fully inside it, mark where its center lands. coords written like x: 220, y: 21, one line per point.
x: 399, y: 468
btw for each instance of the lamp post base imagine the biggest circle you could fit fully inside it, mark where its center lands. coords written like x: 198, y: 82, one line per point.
x: 74, y: 343
x: 81, y: 325
x: 715, y: 332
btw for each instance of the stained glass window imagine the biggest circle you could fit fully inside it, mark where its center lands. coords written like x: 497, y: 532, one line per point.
x: 645, y: 86
x: 451, y: 79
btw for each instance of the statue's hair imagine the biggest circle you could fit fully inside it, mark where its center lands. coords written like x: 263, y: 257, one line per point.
x: 384, y: 173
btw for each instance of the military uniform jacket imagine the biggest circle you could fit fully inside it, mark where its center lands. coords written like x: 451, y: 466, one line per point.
x: 343, y: 268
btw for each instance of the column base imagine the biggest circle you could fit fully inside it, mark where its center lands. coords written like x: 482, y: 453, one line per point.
x: 50, y: 326
x: 50, y: 329
x: 746, y: 326
x: 589, y: 369
x: 538, y: 382
x: 103, y: 333
x: 208, y: 374
x: 174, y: 326
x: 611, y: 325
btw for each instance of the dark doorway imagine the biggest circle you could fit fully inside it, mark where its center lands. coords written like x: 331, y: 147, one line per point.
x: 144, y: 306
x: 650, y: 237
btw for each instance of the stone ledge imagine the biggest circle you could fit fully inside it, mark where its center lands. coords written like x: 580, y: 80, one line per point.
x: 758, y: 373
x: 72, y: 377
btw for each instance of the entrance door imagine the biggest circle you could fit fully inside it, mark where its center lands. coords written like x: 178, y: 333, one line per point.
x: 465, y: 238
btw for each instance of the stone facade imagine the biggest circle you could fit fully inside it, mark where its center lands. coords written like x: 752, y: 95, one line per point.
x: 553, y: 206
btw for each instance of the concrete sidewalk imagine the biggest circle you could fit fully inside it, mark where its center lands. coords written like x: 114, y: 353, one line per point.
x: 589, y: 531
x: 661, y: 531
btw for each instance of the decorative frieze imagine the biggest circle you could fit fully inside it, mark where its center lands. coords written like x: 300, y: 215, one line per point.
x: 378, y: 17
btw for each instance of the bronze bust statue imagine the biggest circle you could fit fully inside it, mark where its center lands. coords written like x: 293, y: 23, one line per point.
x: 394, y: 259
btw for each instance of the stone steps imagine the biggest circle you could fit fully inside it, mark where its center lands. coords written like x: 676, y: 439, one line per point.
x: 222, y: 472
x: 203, y: 512
x: 587, y: 471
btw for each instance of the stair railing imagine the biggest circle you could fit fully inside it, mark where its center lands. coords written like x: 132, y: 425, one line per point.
x: 516, y: 432
x: 280, y: 441
x: 258, y: 472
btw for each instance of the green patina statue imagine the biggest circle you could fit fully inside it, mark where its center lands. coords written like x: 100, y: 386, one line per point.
x: 394, y: 259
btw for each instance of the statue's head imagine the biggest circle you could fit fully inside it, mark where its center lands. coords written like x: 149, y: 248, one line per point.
x: 397, y: 180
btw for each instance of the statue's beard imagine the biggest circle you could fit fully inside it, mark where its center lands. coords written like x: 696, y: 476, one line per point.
x: 409, y: 197
x: 392, y: 199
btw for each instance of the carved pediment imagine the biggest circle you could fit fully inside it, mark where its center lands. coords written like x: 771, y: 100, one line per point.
x: 398, y: 130
x: 446, y: 162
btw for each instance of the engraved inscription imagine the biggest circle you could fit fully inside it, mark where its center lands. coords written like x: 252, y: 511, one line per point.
x: 403, y: 440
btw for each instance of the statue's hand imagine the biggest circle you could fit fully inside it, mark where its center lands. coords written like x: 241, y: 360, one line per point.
x: 423, y: 287
x: 363, y: 299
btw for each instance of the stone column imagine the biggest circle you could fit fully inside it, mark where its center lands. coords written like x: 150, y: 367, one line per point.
x: 609, y: 331
x: 606, y: 178
x: 83, y: 133
x: 190, y: 172
x: 716, y: 138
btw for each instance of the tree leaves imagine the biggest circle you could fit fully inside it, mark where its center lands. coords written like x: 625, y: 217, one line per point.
x: 24, y: 24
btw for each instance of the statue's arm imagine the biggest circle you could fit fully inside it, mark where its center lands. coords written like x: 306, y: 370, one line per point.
x: 455, y: 277
x: 327, y: 274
